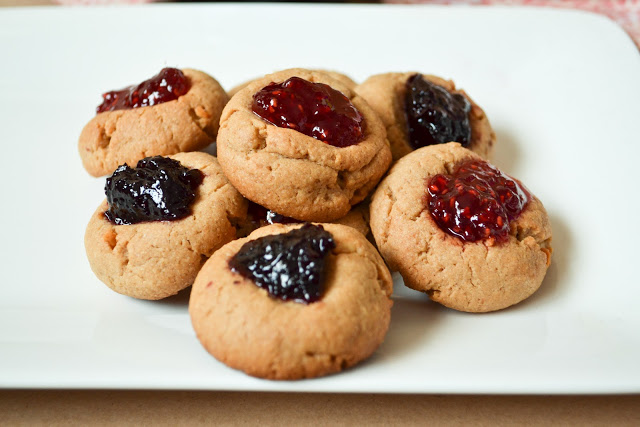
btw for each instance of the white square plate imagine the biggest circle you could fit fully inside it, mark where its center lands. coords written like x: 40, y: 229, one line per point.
x: 560, y: 88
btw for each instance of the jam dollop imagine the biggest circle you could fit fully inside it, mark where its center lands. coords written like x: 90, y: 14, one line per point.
x: 476, y: 202
x: 315, y: 109
x: 167, y: 85
x: 288, y: 266
x: 435, y: 115
x: 157, y: 189
x: 261, y: 216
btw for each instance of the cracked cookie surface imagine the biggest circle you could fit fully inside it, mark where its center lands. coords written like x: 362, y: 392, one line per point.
x: 243, y: 327
x: 156, y: 259
x: 471, y: 276
x: 294, y: 174
x: 188, y: 123
x: 385, y: 93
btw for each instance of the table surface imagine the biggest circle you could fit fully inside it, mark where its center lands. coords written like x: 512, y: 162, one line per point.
x: 183, y: 407
x: 186, y: 407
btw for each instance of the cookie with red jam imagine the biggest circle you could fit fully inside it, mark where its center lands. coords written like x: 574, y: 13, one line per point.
x: 163, y: 218
x: 342, y: 78
x: 174, y: 111
x: 457, y: 228
x: 302, y: 144
x: 420, y: 110
x: 293, y: 301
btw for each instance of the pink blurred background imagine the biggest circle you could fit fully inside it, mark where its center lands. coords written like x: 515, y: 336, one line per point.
x: 625, y: 12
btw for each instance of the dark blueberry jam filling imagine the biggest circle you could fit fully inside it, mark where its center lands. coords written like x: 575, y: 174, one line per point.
x: 315, y: 109
x: 157, y: 189
x: 167, y: 85
x: 288, y: 266
x: 261, y: 216
x: 476, y: 202
x: 435, y: 115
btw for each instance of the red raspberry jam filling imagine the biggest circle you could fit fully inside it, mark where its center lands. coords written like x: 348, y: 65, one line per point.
x: 315, y: 109
x: 476, y: 202
x: 167, y: 85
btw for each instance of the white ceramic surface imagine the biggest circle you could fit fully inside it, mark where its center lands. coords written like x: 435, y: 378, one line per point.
x: 561, y: 90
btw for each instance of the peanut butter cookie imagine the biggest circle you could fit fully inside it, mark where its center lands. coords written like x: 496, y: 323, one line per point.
x: 188, y: 123
x: 420, y: 109
x: 154, y: 259
x: 342, y: 78
x: 458, y: 229
x: 277, y: 323
x: 326, y: 152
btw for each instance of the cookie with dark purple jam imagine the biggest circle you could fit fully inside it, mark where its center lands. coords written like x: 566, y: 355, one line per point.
x: 419, y: 110
x: 435, y: 115
x: 156, y: 189
x: 161, y: 221
x: 259, y: 216
x: 290, y: 266
x: 293, y: 301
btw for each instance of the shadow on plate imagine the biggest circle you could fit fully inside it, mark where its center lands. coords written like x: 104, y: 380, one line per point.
x: 562, y: 244
x: 413, y: 320
x: 179, y: 299
x: 211, y: 149
x: 506, y: 153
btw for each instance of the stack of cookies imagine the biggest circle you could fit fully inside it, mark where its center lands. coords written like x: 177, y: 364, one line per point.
x: 289, y: 234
